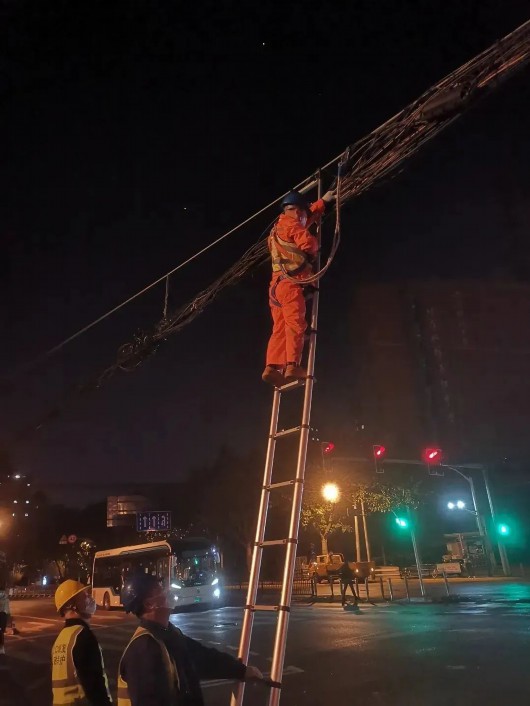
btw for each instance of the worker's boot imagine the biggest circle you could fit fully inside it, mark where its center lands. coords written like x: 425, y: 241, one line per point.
x: 294, y: 372
x: 273, y: 375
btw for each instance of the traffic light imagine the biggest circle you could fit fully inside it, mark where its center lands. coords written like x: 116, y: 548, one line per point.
x: 327, y: 447
x: 379, y: 454
x: 503, y: 529
x: 433, y: 457
x: 402, y: 522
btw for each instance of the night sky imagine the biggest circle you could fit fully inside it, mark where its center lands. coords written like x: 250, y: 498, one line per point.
x: 137, y: 132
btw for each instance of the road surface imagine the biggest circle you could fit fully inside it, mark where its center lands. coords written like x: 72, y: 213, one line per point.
x: 473, y: 652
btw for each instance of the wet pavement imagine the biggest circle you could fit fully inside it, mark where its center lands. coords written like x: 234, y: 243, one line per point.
x: 474, y: 651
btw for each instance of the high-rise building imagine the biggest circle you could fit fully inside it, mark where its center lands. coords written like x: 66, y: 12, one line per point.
x: 445, y: 363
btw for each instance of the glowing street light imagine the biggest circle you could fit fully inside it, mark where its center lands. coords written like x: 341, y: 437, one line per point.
x: 330, y: 492
x: 458, y: 505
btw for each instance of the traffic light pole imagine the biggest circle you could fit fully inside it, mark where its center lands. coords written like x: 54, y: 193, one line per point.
x: 502, y: 549
x: 416, y: 552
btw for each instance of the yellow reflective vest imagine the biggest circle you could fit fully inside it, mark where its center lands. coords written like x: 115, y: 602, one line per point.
x: 66, y: 688
x: 169, y: 664
x: 67, y: 691
x: 286, y: 256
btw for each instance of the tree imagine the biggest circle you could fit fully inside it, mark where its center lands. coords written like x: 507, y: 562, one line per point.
x: 325, y: 517
x: 355, y: 499
x: 229, y: 493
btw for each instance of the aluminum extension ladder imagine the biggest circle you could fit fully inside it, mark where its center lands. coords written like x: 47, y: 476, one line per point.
x: 282, y: 610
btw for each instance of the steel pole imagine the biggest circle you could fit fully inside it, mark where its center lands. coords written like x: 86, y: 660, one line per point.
x: 366, y: 538
x: 416, y: 554
x: 482, y: 528
x: 502, y: 550
x: 357, y: 537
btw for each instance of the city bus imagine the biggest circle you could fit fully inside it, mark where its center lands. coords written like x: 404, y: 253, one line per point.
x: 189, y: 569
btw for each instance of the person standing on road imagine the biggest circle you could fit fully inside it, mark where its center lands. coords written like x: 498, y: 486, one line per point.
x: 4, y: 613
x: 161, y: 666
x: 78, y: 672
x: 347, y: 578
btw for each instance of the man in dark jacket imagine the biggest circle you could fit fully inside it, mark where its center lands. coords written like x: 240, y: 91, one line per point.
x: 347, y: 578
x: 160, y: 665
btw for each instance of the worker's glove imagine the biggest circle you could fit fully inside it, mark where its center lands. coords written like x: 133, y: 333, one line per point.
x: 253, y: 673
x: 329, y: 196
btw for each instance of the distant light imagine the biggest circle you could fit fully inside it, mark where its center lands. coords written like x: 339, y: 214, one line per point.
x: 175, y: 598
x: 176, y: 585
x: 451, y: 506
x: 27, y: 502
x: 14, y: 514
x: 460, y: 504
x: 330, y: 492
x: 15, y: 501
x: 504, y: 530
x: 17, y: 476
x: 217, y: 592
x: 26, y: 514
x: 44, y: 580
x: 401, y: 522
x: 215, y: 581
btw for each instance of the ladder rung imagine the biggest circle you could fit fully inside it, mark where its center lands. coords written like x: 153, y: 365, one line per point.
x: 286, y: 432
x: 274, y: 608
x: 293, y: 385
x: 283, y: 484
x: 275, y: 542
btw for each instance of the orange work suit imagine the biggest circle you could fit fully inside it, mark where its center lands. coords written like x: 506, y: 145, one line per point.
x: 286, y: 298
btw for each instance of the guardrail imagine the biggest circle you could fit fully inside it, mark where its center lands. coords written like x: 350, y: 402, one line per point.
x: 21, y: 592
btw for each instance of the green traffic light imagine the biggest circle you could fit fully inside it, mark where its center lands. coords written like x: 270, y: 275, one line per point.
x: 401, y: 522
x: 503, y: 530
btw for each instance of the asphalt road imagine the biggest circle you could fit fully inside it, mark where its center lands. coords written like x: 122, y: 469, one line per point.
x: 471, y: 652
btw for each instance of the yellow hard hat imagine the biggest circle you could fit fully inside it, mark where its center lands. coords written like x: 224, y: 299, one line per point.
x: 66, y: 591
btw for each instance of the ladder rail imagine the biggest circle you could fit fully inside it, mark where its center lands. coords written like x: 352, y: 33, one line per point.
x: 283, y: 609
x: 282, y: 626
x: 257, y: 553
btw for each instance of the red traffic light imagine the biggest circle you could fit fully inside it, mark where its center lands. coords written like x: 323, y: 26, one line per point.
x: 327, y: 447
x: 432, y: 456
x: 379, y: 452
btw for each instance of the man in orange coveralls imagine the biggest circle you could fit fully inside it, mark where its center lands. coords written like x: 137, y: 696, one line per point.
x: 293, y: 249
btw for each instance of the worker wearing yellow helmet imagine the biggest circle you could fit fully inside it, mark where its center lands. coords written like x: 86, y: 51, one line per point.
x: 78, y: 672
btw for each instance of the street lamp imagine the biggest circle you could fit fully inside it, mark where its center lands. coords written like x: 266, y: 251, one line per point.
x: 330, y: 492
x: 459, y: 505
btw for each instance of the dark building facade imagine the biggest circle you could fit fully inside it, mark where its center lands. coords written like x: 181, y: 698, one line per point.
x: 444, y: 363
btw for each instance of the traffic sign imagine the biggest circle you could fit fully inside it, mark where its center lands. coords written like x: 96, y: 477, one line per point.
x: 153, y: 520
x: 63, y: 540
x: 72, y: 539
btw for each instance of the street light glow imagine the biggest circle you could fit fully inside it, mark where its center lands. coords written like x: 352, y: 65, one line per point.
x: 460, y: 504
x: 451, y: 505
x: 330, y: 492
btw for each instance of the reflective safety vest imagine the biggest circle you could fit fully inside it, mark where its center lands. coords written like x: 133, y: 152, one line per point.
x: 170, y: 667
x: 287, y: 257
x: 67, y: 691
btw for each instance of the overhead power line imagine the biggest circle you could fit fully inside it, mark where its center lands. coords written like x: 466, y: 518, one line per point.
x: 363, y: 164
